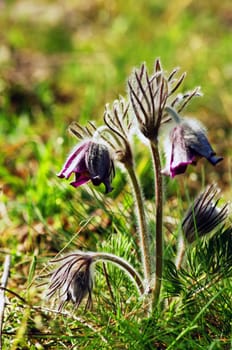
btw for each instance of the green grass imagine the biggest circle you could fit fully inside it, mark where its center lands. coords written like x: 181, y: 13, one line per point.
x: 65, y: 64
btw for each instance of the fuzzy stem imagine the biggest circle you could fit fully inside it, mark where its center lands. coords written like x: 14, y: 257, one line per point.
x: 180, y: 253
x: 6, y: 272
x: 124, y: 265
x: 159, y: 223
x: 142, y: 226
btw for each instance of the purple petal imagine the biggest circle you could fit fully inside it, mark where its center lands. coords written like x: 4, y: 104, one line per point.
x: 180, y: 154
x: 178, y: 169
x: 80, y: 179
x: 75, y: 161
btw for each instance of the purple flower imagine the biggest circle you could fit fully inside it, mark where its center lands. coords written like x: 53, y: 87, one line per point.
x: 186, y: 143
x: 89, y: 161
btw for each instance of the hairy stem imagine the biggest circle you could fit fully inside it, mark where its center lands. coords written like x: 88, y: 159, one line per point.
x: 180, y: 253
x: 159, y: 223
x: 6, y: 272
x: 124, y: 265
x: 142, y: 225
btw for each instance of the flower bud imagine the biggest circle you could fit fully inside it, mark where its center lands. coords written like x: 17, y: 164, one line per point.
x: 204, y: 215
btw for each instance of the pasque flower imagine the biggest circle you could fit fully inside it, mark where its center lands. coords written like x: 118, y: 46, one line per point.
x: 204, y: 215
x: 72, y: 280
x: 148, y: 96
x: 185, y: 144
x: 89, y: 160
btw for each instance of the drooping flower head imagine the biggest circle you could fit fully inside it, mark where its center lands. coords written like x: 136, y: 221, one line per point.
x: 204, y: 215
x: 89, y: 160
x: 185, y: 144
x: 73, y: 280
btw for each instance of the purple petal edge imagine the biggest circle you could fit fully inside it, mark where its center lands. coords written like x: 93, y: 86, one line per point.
x: 79, y: 182
x: 180, y: 169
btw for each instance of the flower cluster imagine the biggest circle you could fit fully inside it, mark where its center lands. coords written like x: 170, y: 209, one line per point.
x: 152, y: 101
x: 152, y: 110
